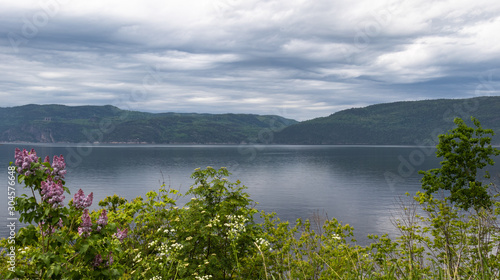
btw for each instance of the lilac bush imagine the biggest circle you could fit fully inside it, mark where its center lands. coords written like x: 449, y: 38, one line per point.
x: 63, y: 241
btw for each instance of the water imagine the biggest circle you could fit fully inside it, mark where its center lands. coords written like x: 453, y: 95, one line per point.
x: 349, y: 183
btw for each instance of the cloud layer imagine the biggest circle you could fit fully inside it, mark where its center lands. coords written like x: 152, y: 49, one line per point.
x: 299, y: 59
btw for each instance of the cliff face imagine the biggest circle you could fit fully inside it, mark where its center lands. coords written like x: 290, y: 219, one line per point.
x: 28, y: 133
x: 42, y: 135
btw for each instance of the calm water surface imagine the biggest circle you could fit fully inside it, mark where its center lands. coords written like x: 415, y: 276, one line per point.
x: 346, y: 182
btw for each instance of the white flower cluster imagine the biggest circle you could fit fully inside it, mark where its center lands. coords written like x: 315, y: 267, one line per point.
x: 165, y: 248
x: 157, y: 278
x: 23, y: 251
x: 138, y: 258
x: 206, y: 277
x: 236, y: 225
x: 336, y: 236
x: 152, y: 243
x: 215, y: 222
x: 166, y: 230
x: 176, y: 246
x: 263, y: 244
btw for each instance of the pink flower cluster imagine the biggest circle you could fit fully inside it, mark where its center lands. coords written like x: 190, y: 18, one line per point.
x: 103, y: 219
x: 110, y: 259
x: 80, y: 201
x: 98, y: 260
x: 121, y: 234
x: 52, y: 192
x: 86, y: 225
x: 58, y: 166
x: 23, y: 161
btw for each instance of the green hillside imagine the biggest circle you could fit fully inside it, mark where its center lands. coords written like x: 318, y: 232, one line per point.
x: 58, y: 123
x: 399, y: 123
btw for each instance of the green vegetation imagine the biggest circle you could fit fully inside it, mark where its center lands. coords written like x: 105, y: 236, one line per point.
x: 447, y: 232
x: 465, y: 151
x: 399, y: 123
x: 88, y: 124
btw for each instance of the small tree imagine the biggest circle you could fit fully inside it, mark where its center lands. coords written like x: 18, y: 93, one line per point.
x: 460, y: 238
x: 465, y: 151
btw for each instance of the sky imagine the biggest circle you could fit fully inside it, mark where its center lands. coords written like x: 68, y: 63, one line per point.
x: 299, y: 59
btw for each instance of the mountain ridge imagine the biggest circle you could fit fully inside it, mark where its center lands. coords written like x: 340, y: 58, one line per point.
x: 109, y: 124
x: 396, y: 123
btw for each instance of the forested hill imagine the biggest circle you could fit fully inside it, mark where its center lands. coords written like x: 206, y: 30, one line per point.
x: 59, y: 123
x: 399, y: 123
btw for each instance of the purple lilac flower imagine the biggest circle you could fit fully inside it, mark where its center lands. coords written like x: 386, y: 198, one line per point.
x: 80, y: 201
x: 23, y: 160
x: 86, y: 225
x: 52, y: 192
x: 110, y: 259
x: 103, y: 219
x: 121, y: 234
x: 59, y: 166
x: 18, y: 156
x: 97, y: 260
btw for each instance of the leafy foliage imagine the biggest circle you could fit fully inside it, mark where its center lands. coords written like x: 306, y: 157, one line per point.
x: 465, y: 151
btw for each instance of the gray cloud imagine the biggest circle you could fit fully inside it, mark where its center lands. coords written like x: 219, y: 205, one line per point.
x: 299, y: 59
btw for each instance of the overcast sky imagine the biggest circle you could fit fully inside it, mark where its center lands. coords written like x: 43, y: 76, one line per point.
x: 298, y: 59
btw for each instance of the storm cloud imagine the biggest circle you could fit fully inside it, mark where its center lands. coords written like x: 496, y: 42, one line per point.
x: 299, y: 59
